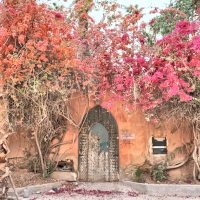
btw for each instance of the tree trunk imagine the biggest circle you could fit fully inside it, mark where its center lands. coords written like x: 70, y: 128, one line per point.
x: 40, y: 154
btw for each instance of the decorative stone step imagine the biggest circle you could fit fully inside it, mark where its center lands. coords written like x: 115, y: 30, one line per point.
x: 64, y: 176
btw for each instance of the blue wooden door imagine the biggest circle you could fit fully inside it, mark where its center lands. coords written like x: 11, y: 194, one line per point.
x: 98, y: 147
x: 98, y: 164
x: 100, y: 131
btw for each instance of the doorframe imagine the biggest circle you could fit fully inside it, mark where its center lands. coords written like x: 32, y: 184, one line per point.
x: 87, y: 129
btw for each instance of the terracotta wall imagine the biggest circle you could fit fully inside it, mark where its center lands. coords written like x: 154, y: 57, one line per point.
x: 133, y: 151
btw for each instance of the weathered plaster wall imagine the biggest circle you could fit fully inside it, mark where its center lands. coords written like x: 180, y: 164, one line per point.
x: 16, y: 145
x: 132, y: 152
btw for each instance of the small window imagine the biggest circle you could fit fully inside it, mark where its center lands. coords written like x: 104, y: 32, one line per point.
x: 159, y: 145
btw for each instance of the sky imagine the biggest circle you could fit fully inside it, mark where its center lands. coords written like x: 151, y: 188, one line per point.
x: 147, y: 4
x: 141, y: 3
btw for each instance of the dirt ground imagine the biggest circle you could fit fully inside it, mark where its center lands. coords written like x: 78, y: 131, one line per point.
x: 21, y: 176
x: 84, y: 191
x: 22, y: 179
x: 99, y: 191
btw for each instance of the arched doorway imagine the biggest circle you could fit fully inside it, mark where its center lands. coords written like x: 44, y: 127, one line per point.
x: 98, y: 147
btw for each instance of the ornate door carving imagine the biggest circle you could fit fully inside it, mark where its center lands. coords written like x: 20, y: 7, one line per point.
x: 98, y: 147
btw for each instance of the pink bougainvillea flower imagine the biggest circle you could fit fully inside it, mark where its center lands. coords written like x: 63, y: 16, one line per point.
x: 155, y: 10
x: 137, y: 12
x: 125, y: 37
x: 128, y: 60
x: 152, y: 21
x: 184, y: 97
x: 58, y: 15
x: 141, y: 40
x: 120, y: 87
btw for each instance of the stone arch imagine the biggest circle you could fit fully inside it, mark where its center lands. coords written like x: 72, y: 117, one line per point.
x: 98, y: 143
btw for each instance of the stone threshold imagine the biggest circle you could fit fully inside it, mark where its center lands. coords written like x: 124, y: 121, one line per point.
x: 142, y: 188
x: 36, y: 188
x: 165, y: 189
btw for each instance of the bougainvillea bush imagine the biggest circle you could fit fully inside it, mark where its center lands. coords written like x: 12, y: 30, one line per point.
x: 42, y: 65
x: 38, y: 65
x: 47, y: 56
x: 164, y: 79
